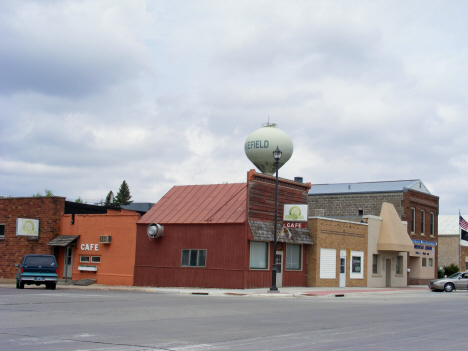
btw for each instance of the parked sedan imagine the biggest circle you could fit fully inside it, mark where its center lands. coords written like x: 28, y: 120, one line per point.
x: 457, y: 281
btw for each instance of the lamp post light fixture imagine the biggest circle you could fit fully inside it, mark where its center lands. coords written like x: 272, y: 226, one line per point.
x: 277, y: 155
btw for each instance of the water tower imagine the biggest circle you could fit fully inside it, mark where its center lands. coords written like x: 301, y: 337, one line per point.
x: 260, y: 145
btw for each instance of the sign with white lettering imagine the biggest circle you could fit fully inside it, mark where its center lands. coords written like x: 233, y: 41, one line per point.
x: 27, y: 227
x: 89, y: 247
x: 295, y: 213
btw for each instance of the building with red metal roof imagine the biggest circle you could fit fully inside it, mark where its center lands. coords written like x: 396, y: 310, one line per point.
x: 221, y: 236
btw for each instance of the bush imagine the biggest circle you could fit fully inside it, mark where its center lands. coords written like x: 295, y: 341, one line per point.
x: 449, y: 270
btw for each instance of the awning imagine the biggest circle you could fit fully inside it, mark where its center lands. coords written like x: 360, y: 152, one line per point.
x: 63, y: 240
x: 393, y: 235
x: 263, y: 231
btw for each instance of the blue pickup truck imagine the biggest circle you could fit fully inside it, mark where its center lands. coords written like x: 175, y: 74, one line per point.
x: 37, y: 270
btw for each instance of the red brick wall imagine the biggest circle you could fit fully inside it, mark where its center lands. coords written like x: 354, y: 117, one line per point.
x: 12, y: 248
x: 429, y: 203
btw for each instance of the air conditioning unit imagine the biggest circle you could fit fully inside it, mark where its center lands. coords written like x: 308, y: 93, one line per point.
x: 105, y: 239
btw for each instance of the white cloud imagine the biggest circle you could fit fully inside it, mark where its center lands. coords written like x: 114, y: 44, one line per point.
x: 161, y: 93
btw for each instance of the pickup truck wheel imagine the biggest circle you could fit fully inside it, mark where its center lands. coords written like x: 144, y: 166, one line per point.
x: 52, y: 286
x: 21, y: 285
x: 17, y: 284
x: 47, y: 286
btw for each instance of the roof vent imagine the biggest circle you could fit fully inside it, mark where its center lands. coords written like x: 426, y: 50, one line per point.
x: 298, y: 179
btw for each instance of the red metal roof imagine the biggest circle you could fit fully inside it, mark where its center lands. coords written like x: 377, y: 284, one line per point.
x: 197, y: 204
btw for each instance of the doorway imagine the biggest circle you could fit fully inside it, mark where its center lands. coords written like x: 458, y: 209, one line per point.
x: 68, y: 262
x: 342, y: 268
x: 279, y: 268
x: 388, y: 273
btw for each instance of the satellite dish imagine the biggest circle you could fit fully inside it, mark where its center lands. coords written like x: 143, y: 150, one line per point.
x: 155, y: 231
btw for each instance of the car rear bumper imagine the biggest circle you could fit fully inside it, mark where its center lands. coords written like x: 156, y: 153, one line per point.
x: 38, y: 279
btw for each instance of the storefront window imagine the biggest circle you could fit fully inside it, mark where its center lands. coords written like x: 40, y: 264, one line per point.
x: 258, y: 255
x: 84, y: 259
x: 293, y: 257
x: 357, y: 261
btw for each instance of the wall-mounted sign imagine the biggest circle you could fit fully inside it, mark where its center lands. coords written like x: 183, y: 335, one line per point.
x: 27, y: 227
x: 89, y: 247
x: 295, y: 213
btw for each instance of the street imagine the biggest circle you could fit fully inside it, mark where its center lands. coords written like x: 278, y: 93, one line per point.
x: 39, y: 319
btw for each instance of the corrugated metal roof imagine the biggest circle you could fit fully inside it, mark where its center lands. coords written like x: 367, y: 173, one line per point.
x: 196, y: 204
x: 448, y: 225
x: 369, y: 187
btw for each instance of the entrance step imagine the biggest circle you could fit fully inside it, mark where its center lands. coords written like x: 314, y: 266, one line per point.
x: 85, y: 282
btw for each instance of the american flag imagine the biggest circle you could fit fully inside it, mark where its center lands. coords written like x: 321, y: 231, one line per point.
x: 463, y: 224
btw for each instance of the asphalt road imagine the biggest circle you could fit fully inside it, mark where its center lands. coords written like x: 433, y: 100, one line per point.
x: 39, y: 319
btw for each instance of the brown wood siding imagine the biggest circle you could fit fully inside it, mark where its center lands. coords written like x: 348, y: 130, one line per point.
x: 261, y: 196
x: 158, y: 261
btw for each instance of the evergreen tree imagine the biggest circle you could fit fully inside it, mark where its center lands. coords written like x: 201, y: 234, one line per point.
x: 109, y: 199
x: 123, y: 196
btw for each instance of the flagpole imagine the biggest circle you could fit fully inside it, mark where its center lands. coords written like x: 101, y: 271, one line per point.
x: 459, y: 241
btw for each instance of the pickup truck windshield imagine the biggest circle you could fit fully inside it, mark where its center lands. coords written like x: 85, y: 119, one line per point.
x: 39, y: 261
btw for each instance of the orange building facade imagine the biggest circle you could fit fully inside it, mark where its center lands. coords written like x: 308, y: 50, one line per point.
x: 103, y: 247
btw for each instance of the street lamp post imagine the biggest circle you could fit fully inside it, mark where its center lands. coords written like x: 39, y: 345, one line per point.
x: 277, y: 155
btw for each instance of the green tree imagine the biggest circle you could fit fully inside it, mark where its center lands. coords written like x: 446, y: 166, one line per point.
x: 123, y: 196
x: 109, y: 199
x: 80, y: 200
x: 47, y: 193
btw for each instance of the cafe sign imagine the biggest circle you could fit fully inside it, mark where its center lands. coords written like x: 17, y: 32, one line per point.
x: 295, y: 215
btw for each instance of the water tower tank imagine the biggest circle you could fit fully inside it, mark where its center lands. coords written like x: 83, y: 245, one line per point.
x: 260, y: 145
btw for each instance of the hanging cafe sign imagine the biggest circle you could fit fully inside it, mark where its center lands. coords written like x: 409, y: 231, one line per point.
x: 295, y: 216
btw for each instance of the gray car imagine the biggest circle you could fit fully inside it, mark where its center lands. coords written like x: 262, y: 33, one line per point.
x: 457, y: 281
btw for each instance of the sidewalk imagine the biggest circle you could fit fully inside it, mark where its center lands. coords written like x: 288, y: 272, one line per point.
x: 258, y: 292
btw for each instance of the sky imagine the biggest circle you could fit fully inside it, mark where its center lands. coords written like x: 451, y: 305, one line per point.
x: 164, y: 93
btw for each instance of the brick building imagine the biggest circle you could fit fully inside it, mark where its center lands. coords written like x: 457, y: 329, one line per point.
x: 45, y: 211
x: 449, y: 243
x: 43, y: 217
x: 412, y: 201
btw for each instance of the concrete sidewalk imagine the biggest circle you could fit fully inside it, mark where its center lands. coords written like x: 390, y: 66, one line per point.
x: 258, y: 292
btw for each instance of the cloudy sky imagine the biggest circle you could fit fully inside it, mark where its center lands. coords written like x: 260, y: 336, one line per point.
x: 164, y: 93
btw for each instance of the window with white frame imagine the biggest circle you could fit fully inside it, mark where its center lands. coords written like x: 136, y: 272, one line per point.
x: 431, y: 216
x: 193, y: 258
x: 375, y: 264
x: 431, y: 262
x: 423, y: 216
x: 399, y: 265
x: 2, y: 231
x: 95, y: 259
x: 258, y: 255
x: 357, y: 265
x: 327, y: 263
x: 413, y: 214
x: 84, y: 259
x: 293, y: 257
